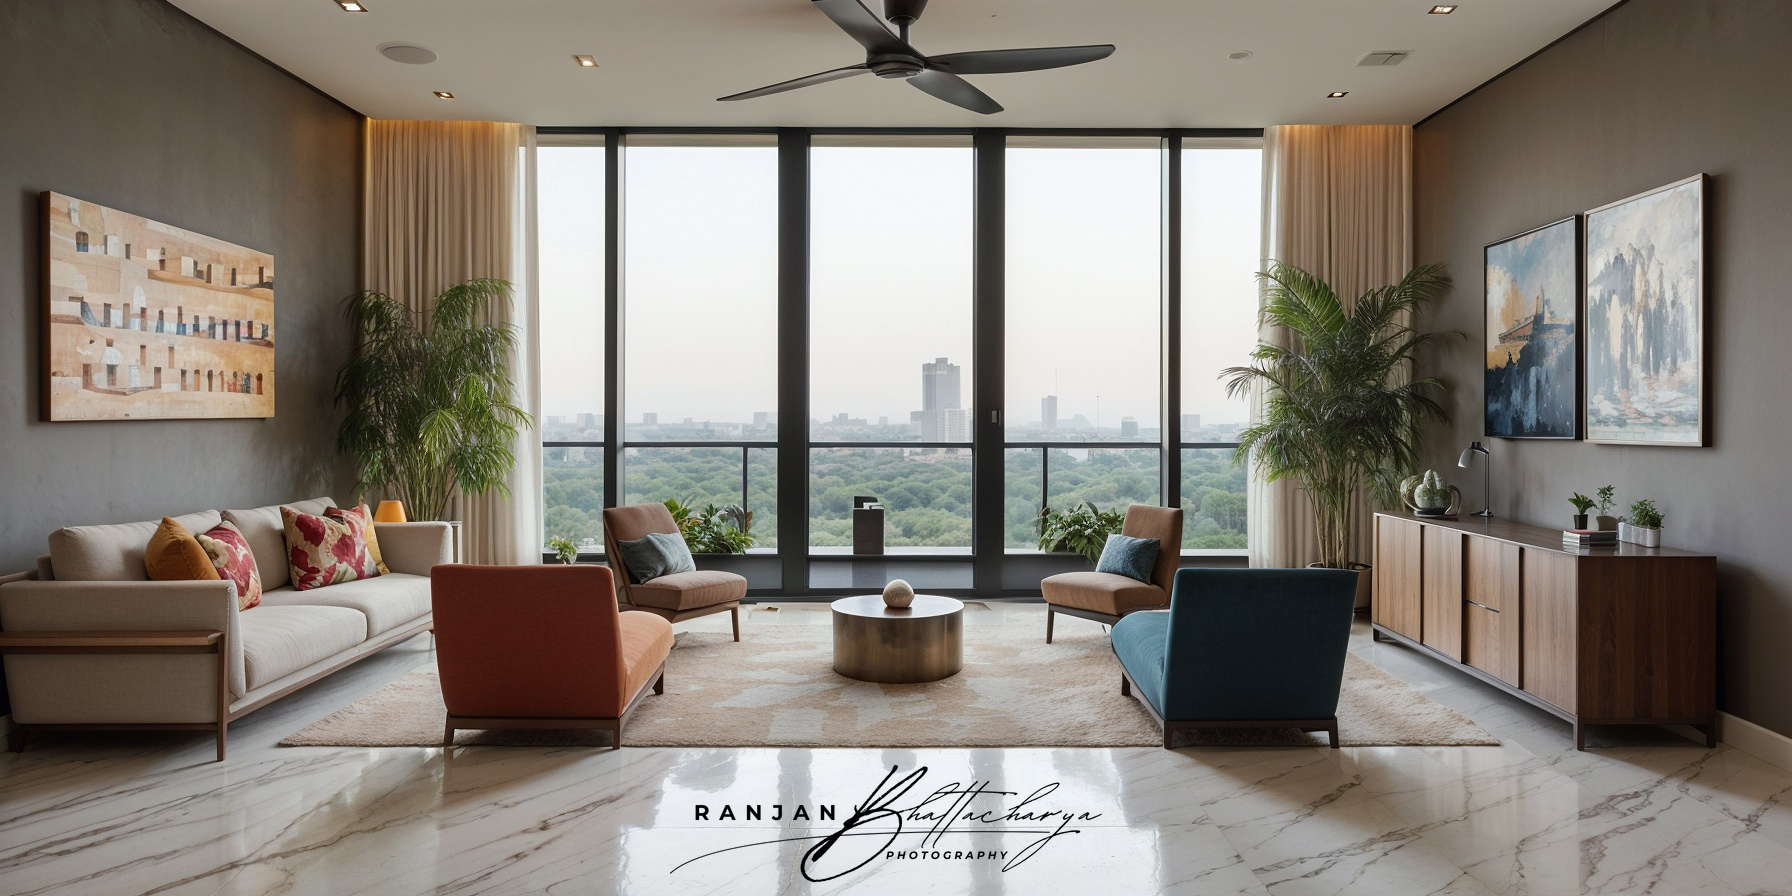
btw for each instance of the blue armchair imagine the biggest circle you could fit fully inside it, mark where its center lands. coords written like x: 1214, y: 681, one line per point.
x: 1242, y: 648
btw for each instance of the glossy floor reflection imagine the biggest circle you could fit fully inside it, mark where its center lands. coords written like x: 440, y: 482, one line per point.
x: 148, y: 813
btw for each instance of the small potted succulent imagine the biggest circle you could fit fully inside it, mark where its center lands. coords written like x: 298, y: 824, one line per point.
x: 1582, y: 504
x: 1643, y: 526
x: 564, y: 550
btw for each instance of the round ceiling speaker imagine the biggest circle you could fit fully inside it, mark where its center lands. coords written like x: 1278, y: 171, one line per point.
x: 409, y: 54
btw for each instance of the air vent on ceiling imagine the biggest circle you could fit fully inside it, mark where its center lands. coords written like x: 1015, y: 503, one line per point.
x: 1383, y: 57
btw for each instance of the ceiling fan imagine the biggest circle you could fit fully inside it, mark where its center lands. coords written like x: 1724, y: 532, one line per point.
x: 890, y: 56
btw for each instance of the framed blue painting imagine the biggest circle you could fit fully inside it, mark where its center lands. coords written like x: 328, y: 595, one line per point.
x: 1532, y: 356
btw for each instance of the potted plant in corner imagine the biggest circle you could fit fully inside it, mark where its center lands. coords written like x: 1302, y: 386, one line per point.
x: 429, y: 404
x: 1582, y: 504
x: 1338, y: 408
x: 564, y: 549
x: 1083, y: 529
x: 717, y: 536
x: 1643, y: 526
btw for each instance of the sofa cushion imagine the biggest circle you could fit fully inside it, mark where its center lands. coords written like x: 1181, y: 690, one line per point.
x: 266, y: 534
x: 326, y: 550
x: 231, y: 559
x: 113, y: 553
x: 1124, y: 555
x: 278, y: 641
x: 1142, y: 642
x: 689, y: 590
x: 646, y: 641
x: 1101, y: 592
x: 387, y: 602
x: 175, y: 555
x: 654, y: 555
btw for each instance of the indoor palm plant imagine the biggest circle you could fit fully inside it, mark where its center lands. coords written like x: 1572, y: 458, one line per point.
x: 428, y: 398
x: 1338, y: 406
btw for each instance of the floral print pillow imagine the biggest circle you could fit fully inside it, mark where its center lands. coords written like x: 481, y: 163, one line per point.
x: 327, y: 550
x: 229, y: 552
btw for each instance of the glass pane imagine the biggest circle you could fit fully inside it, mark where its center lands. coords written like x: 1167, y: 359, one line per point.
x: 572, y: 491
x: 1023, y: 495
x: 1213, y: 500
x: 1083, y: 293
x: 699, y: 477
x: 925, y: 492
x: 569, y: 206
x: 1109, y: 478
x: 701, y: 286
x: 890, y: 295
x: 1221, y: 253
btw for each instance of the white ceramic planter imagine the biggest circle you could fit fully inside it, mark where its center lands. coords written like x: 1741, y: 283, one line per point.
x: 1637, y: 535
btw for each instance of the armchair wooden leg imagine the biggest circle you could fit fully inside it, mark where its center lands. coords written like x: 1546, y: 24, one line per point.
x: 448, y: 733
x: 659, y: 684
x: 18, y: 737
x: 1050, y: 617
x: 1125, y: 685
x: 616, y: 735
x: 735, y: 614
x: 1331, y: 732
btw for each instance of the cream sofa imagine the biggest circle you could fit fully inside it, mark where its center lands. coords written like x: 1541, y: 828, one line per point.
x: 93, y: 643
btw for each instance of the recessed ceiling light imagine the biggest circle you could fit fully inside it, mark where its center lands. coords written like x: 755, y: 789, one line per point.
x: 584, y: 61
x: 351, y: 5
x: 1330, y: 96
x: 444, y: 95
x: 1239, y: 56
x: 1442, y: 9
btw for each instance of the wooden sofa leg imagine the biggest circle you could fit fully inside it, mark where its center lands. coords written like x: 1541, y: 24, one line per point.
x: 16, y: 742
x: 223, y: 726
x: 1050, y: 617
x: 735, y: 615
x: 448, y: 732
x: 1331, y: 732
x: 659, y: 684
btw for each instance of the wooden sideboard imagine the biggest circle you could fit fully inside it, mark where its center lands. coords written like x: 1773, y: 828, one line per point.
x: 1623, y: 635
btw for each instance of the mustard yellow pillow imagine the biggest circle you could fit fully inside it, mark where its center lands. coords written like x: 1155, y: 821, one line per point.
x: 174, y: 555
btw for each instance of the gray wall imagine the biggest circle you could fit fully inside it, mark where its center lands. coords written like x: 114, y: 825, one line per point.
x: 1655, y: 91
x: 134, y: 105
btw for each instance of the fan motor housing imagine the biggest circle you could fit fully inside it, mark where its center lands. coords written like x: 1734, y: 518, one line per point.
x: 896, y: 66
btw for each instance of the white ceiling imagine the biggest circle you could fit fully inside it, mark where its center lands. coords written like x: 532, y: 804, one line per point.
x: 663, y: 62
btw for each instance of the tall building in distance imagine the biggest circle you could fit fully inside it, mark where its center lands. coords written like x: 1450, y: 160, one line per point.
x: 940, y: 394
x: 650, y: 419
x: 1129, y: 427
x: 1048, y: 413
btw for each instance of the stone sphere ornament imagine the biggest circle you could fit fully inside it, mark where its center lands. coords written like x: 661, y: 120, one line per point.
x: 899, y: 594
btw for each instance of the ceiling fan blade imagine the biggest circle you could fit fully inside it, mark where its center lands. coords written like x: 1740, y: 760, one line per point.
x: 995, y: 62
x: 864, y: 26
x: 805, y: 81
x: 955, y: 90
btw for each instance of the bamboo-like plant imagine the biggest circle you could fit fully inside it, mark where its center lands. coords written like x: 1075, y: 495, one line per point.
x: 429, y: 403
x: 1338, y: 409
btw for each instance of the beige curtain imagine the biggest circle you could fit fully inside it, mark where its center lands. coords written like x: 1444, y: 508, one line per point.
x: 446, y: 202
x: 1337, y: 202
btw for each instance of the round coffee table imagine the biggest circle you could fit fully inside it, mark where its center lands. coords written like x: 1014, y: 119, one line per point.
x: 921, y: 642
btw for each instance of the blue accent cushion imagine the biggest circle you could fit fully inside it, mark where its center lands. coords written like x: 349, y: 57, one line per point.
x: 1142, y: 643
x: 1126, y: 556
x: 658, y: 554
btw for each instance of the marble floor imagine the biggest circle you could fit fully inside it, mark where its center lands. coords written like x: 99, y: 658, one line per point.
x: 1644, y: 811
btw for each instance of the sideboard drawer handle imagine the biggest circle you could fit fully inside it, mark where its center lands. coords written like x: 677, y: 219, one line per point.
x: 1479, y: 604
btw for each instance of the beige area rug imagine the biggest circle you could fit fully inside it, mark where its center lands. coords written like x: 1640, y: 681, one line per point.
x: 777, y: 688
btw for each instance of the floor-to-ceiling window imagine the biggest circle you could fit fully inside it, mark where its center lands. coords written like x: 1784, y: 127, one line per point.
x: 890, y: 341
x: 1084, y: 324
x: 570, y: 245
x: 891, y: 365
x: 1221, y: 248
x: 700, y: 338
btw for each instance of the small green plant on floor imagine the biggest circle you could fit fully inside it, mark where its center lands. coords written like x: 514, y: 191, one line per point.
x: 564, y: 549
x: 1083, y: 528
x: 1643, y: 515
x: 712, y: 529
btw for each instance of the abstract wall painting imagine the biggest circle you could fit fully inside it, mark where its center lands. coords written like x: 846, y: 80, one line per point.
x: 1532, y: 357
x: 144, y: 321
x: 1645, y: 318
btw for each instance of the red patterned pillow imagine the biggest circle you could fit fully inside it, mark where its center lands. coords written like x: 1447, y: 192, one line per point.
x: 325, y: 550
x: 229, y: 552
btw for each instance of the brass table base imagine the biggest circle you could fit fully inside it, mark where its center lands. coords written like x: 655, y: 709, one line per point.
x: 921, y: 642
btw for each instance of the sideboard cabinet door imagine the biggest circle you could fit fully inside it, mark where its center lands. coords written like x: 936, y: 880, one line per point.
x: 1398, y: 575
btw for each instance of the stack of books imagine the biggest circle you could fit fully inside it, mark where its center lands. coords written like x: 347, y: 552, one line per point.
x: 1588, y: 538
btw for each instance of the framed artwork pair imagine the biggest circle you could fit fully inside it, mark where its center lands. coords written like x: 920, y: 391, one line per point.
x: 1595, y: 324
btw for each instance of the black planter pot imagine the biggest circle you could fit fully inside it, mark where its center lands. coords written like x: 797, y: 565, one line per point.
x: 1580, y: 521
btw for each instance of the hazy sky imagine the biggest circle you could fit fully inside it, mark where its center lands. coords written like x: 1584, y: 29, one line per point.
x: 891, y: 284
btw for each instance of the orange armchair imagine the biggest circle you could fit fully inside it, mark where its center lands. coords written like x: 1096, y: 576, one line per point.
x: 542, y: 647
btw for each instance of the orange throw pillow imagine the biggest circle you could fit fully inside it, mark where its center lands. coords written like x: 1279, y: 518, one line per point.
x: 373, y: 538
x: 174, y: 555
x: 326, y: 550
